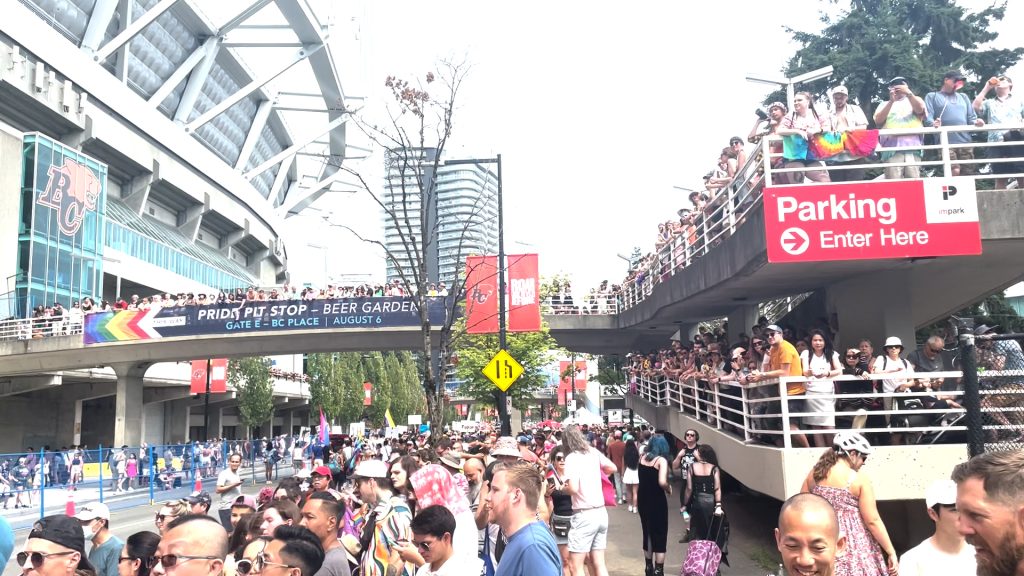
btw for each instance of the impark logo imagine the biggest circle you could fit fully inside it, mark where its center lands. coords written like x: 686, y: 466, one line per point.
x: 71, y: 190
x: 794, y: 241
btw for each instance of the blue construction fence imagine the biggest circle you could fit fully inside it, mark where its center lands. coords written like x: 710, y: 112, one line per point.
x: 34, y: 484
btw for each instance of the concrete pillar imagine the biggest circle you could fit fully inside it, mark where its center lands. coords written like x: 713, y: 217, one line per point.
x: 76, y: 437
x: 873, y: 307
x: 741, y: 320
x: 128, y: 404
x: 289, y: 421
x: 215, y: 422
x: 177, y: 420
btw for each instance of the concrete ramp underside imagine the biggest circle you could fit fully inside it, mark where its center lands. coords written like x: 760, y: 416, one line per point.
x: 69, y: 353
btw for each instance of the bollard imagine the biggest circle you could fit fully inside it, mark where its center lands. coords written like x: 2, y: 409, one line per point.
x: 152, y: 462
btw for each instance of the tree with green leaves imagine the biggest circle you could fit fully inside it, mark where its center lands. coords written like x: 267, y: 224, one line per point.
x: 872, y: 41
x: 336, y: 385
x: 610, y: 376
x: 250, y: 378
x: 534, y: 350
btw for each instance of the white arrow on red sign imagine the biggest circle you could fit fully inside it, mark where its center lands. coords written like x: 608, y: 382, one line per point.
x: 794, y: 241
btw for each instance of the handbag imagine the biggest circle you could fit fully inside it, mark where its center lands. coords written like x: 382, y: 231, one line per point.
x: 608, y: 489
x: 560, y: 525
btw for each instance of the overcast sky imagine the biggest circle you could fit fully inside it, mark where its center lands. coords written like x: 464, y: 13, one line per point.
x: 598, y: 109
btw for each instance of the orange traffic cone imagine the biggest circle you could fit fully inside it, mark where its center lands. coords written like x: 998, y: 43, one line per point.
x: 199, y: 485
x: 69, y: 506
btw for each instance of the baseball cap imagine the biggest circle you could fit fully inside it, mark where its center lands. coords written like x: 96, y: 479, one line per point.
x: 898, y: 80
x: 199, y: 497
x: 93, y: 511
x: 371, y: 469
x: 953, y: 74
x: 322, y: 471
x: 245, y: 500
x: 941, y: 492
x: 777, y: 104
x: 64, y: 531
x: 840, y: 90
x: 773, y: 328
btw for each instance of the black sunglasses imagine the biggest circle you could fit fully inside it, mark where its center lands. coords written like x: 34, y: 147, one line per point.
x: 424, y: 546
x: 38, y: 557
x: 848, y: 356
x: 171, y: 560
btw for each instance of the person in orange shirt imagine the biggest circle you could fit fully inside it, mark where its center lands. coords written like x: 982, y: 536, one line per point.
x: 783, y: 360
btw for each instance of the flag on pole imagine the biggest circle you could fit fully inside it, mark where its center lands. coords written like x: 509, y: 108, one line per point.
x: 388, y: 418
x: 324, y: 428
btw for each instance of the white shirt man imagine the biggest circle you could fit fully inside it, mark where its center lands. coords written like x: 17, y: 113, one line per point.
x: 946, y: 552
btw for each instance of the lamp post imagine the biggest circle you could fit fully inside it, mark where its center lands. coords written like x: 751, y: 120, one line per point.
x: 500, y: 398
x: 790, y: 83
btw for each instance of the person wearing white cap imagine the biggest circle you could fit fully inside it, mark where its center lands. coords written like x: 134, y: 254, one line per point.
x: 891, y: 363
x: 846, y: 117
x: 388, y: 521
x: 946, y: 551
x: 106, y: 548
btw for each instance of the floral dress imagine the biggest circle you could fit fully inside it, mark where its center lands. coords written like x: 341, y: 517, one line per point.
x: 863, y: 555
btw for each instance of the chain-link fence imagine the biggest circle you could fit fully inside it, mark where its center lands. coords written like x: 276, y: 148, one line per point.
x: 993, y: 367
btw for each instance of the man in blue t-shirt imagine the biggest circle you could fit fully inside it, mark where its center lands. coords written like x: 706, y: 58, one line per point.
x: 948, y: 107
x: 513, y: 499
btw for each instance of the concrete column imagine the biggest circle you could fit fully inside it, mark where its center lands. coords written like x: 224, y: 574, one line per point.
x: 177, y: 419
x: 741, y: 320
x: 128, y: 404
x: 76, y: 437
x: 289, y: 421
x: 873, y: 307
x: 215, y: 422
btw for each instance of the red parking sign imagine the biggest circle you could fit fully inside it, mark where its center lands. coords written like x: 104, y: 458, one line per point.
x: 873, y: 220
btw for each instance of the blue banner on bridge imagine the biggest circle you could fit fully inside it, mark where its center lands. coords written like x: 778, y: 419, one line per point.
x: 260, y: 316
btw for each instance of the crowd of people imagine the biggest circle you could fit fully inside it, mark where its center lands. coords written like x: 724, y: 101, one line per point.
x: 531, y: 505
x: 711, y: 364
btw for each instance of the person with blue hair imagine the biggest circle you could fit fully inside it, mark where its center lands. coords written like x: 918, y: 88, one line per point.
x: 652, y: 503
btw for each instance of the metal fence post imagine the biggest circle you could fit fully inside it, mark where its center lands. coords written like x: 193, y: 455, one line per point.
x: 972, y: 397
x: 152, y: 462
x: 41, y: 470
x: 100, y: 459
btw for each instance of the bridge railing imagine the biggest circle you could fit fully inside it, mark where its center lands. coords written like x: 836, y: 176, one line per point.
x: 590, y: 305
x: 34, y: 328
x: 755, y: 413
x: 727, y: 209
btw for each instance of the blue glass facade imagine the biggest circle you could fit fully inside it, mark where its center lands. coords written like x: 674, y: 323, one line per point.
x: 60, y: 235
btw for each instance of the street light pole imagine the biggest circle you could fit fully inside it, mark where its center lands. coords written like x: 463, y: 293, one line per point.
x: 790, y: 83
x: 500, y: 398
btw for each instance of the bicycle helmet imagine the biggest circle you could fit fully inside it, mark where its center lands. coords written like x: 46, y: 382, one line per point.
x: 845, y: 442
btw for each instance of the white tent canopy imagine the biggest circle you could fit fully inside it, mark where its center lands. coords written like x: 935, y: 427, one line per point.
x: 583, y: 416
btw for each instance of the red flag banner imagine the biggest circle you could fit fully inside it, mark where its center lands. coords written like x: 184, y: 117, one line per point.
x: 367, y: 393
x: 482, y: 294
x: 198, y: 385
x: 219, y: 375
x: 524, y: 293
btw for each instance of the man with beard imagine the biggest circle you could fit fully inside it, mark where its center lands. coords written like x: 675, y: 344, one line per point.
x: 474, y: 471
x: 990, y: 501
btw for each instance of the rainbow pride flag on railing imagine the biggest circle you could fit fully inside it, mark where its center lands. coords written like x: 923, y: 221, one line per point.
x: 825, y: 145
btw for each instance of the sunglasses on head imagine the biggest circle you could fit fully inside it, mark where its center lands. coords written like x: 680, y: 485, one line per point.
x: 38, y: 557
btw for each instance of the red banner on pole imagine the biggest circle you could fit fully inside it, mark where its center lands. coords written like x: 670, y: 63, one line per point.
x: 219, y: 375
x: 482, y: 294
x: 198, y: 385
x: 367, y: 393
x: 524, y: 292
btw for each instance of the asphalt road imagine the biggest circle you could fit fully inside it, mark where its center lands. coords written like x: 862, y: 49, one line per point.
x: 751, y: 548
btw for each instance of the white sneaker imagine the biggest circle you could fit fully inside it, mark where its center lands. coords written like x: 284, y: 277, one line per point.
x: 635, y: 510
x: 631, y: 509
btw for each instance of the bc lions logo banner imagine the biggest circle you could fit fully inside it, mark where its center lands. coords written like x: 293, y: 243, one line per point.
x: 72, y: 190
x: 522, y: 289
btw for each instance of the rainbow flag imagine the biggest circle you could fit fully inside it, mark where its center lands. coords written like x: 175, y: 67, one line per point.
x: 858, y: 143
x: 325, y: 430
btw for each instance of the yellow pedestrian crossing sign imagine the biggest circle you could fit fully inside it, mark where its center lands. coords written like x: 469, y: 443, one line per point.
x: 503, y: 370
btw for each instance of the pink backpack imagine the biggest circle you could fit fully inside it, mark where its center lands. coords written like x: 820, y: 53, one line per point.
x: 702, y: 559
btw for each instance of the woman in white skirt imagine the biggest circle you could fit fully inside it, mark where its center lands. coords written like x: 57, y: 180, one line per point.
x: 820, y: 364
x: 631, y: 477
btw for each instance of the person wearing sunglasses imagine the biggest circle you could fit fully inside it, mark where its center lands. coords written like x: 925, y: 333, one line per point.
x: 55, y: 547
x: 432, y: 531
x: 294, y: 551
x: 168, y: 512
x: 192, y: 545
x: 136, y: 554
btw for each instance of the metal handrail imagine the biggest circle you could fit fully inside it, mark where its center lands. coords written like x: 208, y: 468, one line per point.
x: 750, y: 417
x: 602, y: 304
x: 731, y: 205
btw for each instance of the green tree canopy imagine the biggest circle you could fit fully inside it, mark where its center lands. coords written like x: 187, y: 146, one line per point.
x: 250, y: 378
x: 533, y: 350
x: 336, y: 385
x: 872, y: 41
